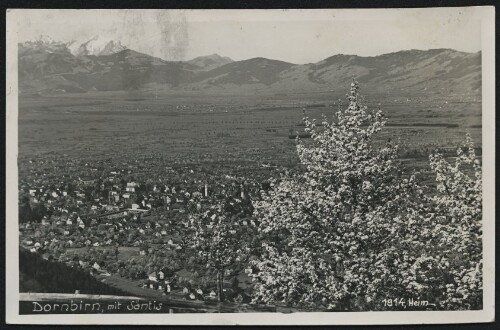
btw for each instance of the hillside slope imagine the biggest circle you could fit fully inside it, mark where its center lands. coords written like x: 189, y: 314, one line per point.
x: 50, y: 67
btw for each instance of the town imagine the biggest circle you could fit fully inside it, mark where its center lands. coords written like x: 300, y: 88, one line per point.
x: 132, y: 230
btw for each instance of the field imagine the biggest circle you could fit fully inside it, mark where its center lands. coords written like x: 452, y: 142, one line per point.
x: 194, y: 128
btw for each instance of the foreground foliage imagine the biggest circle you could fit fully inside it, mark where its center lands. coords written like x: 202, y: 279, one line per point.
x: 218, y: 235
x: 353, y: 230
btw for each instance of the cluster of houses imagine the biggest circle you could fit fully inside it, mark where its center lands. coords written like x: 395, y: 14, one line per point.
x: 96, y: 189
x: 121, y: 228
x: 98, y: 207
x: 93, y: 199
x: 72, y: 231
x: 159, y: 281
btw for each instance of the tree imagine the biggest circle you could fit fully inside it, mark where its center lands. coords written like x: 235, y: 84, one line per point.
x: 450, y: 263
x: 327, y: 231
x: 25, y: 212
x: 353, y: 229
x: 38, y: 211
x: 217, y: 237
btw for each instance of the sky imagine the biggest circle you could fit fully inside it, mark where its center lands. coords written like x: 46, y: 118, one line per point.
x: 296, y: 36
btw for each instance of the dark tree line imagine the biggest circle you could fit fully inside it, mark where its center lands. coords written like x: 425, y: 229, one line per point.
x: 28, y: 213
x: 56, y: 277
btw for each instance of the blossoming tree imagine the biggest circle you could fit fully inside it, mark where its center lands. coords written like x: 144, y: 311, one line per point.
x: 217, y: 233
x: 449, y: 265
x: 351, y: 230
x: 334, y: 223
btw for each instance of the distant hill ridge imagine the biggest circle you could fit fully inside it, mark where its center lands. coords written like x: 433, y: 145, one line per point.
x: 210, y: 62
x: 48, y: 66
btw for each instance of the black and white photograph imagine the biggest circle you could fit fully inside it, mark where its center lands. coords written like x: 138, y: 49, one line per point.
x: 250, y: 166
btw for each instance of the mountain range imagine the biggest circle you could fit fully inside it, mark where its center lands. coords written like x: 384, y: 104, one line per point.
x: 48, y: 66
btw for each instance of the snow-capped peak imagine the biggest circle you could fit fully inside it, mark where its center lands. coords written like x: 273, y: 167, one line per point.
x: 46, y: 44
x: 96, y: 46
x: 112, y: 47
x: 45, y: 39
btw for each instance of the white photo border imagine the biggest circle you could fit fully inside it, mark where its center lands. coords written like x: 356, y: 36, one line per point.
x: 485, y: 14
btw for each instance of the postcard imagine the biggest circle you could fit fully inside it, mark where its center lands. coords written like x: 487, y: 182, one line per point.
x: 216, y: 167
